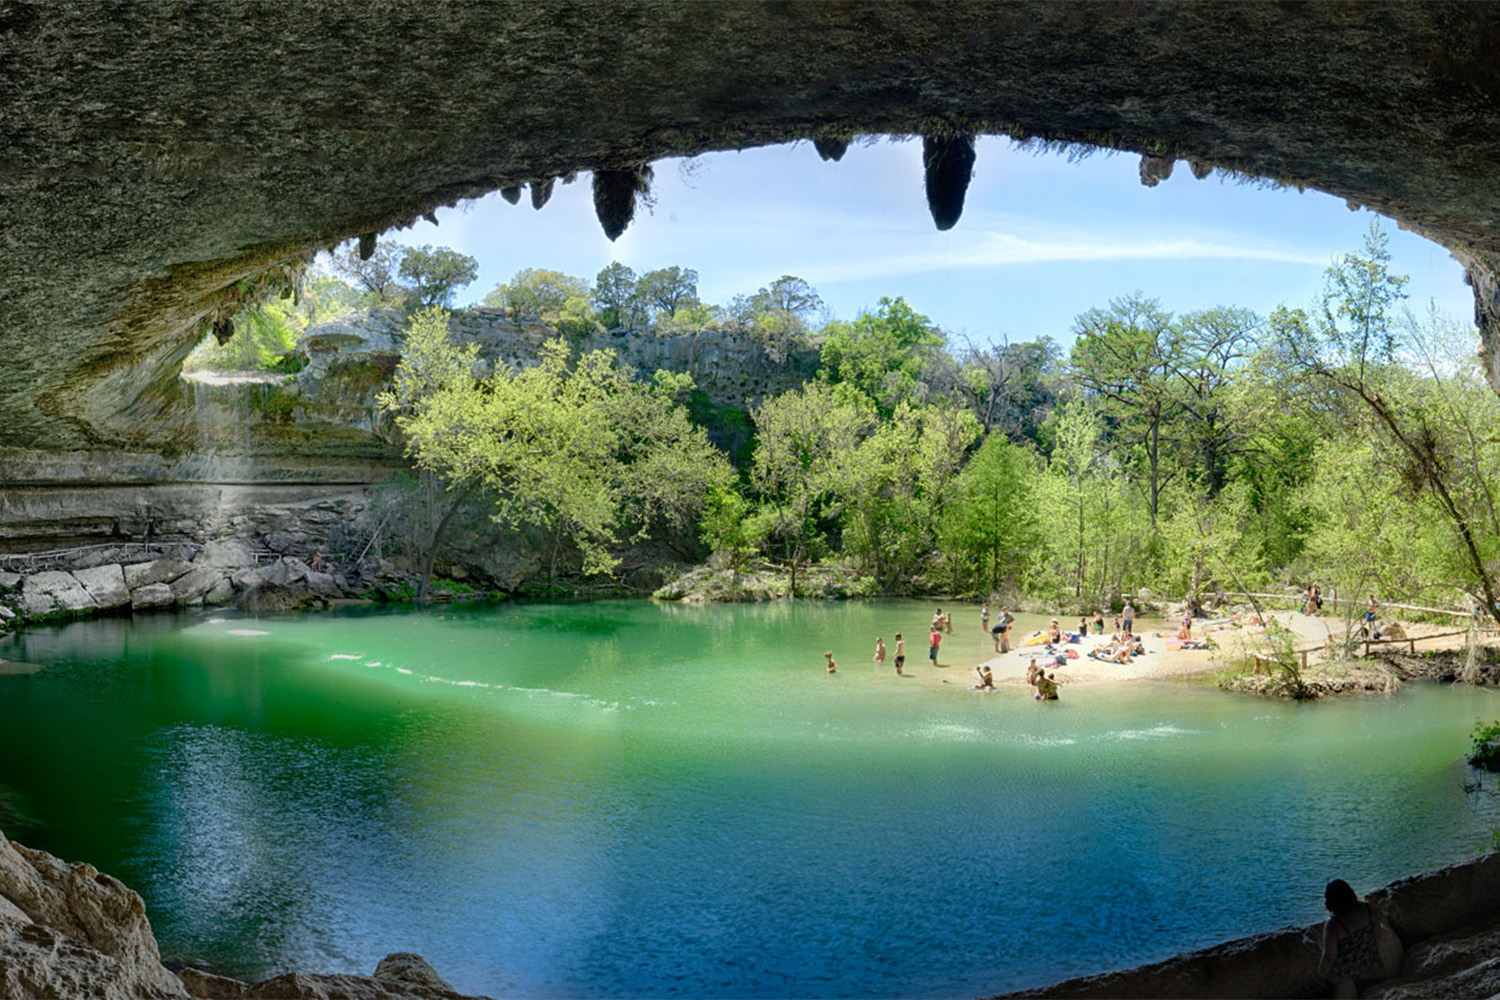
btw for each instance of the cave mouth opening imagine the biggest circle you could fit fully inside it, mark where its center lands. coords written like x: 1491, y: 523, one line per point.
x: 1047, y: 232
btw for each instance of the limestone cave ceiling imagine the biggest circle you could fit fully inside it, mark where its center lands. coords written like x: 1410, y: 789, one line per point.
x: 154, y: 154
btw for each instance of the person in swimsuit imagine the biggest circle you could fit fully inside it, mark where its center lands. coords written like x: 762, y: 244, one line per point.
x: 1099, y: 622
x: 984, y: 617
x: 1351, y: 954
x: 1046, y: 687
x: 879, y: 650
x: 1054, y: 633
x: 833, y: 668
x: 900, y: 653
x: 986, y: 678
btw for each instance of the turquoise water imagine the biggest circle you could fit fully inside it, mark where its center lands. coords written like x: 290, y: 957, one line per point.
x: 629, y: 799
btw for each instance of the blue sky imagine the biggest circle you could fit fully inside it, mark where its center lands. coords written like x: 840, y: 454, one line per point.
x: 1040, y: 241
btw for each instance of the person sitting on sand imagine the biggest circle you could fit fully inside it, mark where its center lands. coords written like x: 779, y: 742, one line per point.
x: 1113, y: 654
x: 1185, y: 630
x: 1099, y: 622
x: 986, y: 678
x: 1054, y: 633
x: 879, y: 650
x: 832, y: 667
x: 1351, y: 954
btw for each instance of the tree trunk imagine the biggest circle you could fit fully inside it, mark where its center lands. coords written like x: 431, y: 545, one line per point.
x: 437, y: 537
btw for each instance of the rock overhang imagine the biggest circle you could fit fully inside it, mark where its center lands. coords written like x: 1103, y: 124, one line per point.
x: 159, y: 162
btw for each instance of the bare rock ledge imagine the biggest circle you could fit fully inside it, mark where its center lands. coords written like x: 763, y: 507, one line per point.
x: 68, y: 930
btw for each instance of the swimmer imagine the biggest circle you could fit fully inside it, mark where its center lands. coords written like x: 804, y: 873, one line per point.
x: 833, y: 668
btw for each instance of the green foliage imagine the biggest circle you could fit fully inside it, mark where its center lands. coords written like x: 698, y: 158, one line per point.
x: 1483, y: 739
x: 540, y: 294
x: 435, y: 273
x: 882, y: 354
x: 577, y: 448
x: 668, y: 289
x: 614, y: 295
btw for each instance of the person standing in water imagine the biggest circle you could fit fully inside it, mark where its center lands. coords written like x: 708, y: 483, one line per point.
x: 833, y: 668
x: 1001, y: 631
x: 933, y: 642
x: 900, y: 653
x: 879, y: 650
x: 984, y: 617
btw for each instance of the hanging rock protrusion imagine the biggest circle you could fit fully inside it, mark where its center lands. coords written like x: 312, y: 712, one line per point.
x: 1155, y: 169
x: 541, y: 192
x: 223, y: 331
x: 614, y: 196
x: 831, y: 149
x: 1200, y: 169
x: 430, y: 217
x: 511, y: 193
x: 367, y: 245
x: 949, y: 163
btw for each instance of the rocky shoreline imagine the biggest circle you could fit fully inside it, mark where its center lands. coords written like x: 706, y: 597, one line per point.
x: 69, y: 930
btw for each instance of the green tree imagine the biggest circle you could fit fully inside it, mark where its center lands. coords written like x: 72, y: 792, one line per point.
x: 582, y: 451
x: 537, y: 293
x: 1126, y: 355
x: 1354, y: 352
x: 435, y: 273
x: 804, y: 438
x: 616, y: 299
x: 378, y: 276
x: 668, y: 289
x: 883, y: 354
x: 991, y: 525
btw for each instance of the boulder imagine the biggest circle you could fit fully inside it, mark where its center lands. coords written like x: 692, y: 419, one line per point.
x: 222, y: 593
x: 399, y: 976
x: 295, y: 571
x: 249, y: 578
x: 71, y: 931
x: 9, y: 581
x: 283, y: 541
x: 105, y: 584
x: 229, y: 554
x: 151, y: 597
x: 269, y: 598
x: 323, y: 583
x: 190, y: 587
x: 6, y: 614
x: 44, y: 593
x: 158, y: 571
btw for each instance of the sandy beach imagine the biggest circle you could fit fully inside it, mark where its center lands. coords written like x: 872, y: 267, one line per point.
x: 962, y: 652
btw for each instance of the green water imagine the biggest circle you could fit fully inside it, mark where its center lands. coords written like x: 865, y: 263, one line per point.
x: 629, y: 799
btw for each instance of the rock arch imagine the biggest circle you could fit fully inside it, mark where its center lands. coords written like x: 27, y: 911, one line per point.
x: 156, y: 160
